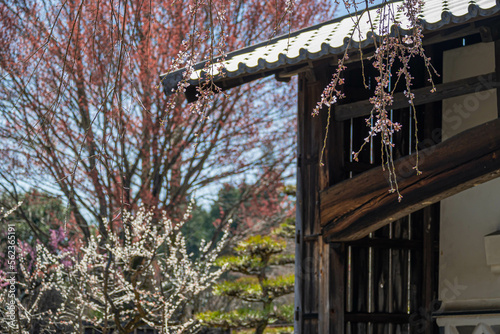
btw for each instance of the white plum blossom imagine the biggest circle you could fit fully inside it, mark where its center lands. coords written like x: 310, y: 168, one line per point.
x: 139, y: 275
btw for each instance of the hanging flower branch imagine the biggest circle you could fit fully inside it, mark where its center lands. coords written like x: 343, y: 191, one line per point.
x: 392, y: 49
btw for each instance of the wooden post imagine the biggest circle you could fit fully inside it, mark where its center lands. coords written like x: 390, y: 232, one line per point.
x: 337, y: 291
x: 497, y: 69
x: 299, y: 240
x: 429, y: 274
x: 307, y: 252
x: 313, y: 281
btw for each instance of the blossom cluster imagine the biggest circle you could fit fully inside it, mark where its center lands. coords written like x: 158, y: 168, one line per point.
x: 391, y: 60
x: 138, y: 274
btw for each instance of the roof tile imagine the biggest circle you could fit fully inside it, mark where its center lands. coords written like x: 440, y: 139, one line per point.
x: 331, y: 37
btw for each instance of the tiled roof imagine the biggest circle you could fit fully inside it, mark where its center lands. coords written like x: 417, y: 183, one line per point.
x: 332, y: 37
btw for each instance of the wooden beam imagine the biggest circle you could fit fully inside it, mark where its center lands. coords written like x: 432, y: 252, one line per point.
x: 497, y: 65
x: 422, y: 95
x: 383, y: 243
x: 398, y: 318
x: 353, y: 208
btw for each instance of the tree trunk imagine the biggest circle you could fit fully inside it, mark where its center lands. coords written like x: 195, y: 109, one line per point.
x: 261, y: 327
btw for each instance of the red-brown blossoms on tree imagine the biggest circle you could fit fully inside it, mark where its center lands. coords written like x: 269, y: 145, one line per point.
x: 83, y: 115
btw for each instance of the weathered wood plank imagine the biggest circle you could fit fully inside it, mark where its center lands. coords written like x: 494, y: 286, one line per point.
x: 383, y: 243
x: 324, y: 181
x: 311, y: 251
x: 423, y: 95
x: 310, y: 276
x: 400, y: 318
x: 352, y: 209
x: 299, y: 228
x: 429, y: 272
x: 497, y: 69
x: 337, y: 293
x: 311, y: 223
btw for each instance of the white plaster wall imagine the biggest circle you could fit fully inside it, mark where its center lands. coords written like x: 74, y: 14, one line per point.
x: 465, y: 281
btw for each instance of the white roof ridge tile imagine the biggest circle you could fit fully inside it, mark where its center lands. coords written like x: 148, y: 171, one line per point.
x: 331, y: 38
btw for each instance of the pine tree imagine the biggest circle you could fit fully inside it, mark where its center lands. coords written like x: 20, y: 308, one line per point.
x: 257, y: 288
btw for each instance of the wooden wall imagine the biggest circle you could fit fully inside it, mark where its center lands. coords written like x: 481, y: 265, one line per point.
x: 313, y: 255
x: 336, y: 283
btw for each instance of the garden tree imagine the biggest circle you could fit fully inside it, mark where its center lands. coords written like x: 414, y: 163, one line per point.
x: 144, y: 276
x: 46, y: 214
x: 254, y: 258
x: 82, y: 115
x: 205, y: 222
x: 19, y: 269
x: 39, y: 209
x: 38, y: 298
x: 254, y: 215
x: 81, y: 111
x: 258, y: 214
x: 199, y: 227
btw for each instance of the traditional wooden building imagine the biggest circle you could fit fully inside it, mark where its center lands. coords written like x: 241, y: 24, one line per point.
x: 366, y: 263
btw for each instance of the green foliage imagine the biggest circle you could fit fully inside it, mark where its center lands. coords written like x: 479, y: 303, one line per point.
x: 286, y: 229
x: 275, y: 330
x: 290, y: 190
x: 282, y: 259
x: 259, y: 245
x: 251, y: 290
x: 246, y: 317
x: 229, y: 198
x: 38, y: 213
x: 281, y: 285
x: 257, y: 257
x: 199, y: 227
x: 249, y: 265
x: 243, y: 317
x: 254, y: 257
x: 252, y: 265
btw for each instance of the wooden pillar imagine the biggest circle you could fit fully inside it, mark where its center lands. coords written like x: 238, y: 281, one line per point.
x: 313, y: 297
x: 335, y: 165
x: 497, y: 67
x: 307, y: 224
x: 299, y: 284
x: 430, y: 216
x: 429, y: 266
x: 337, y: 290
